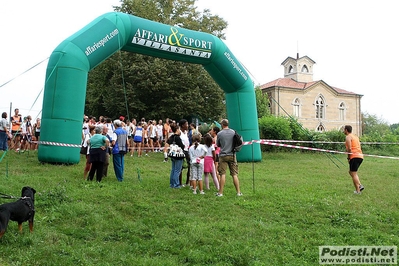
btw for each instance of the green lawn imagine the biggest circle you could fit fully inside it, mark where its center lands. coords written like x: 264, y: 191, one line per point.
x: 292, y: 204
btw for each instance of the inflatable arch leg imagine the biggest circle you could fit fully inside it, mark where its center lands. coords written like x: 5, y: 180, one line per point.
x: 69, y: 64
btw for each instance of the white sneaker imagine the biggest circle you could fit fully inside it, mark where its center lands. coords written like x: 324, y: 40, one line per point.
x: 355, y: 192
x: 239, y: 194
x: 202, y: 192
x: 219, y: 195
x: 195, y: 192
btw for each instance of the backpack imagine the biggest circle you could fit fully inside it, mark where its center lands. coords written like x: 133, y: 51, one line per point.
x: 175, y: 151
x: 237, y: 142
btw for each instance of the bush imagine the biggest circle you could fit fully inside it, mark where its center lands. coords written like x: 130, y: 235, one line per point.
x: 204, y: 128
x: 298, y: 131
x: 271, y: 127
x: 380, y: 149
x: 334, y: 136
x: 283, y: 128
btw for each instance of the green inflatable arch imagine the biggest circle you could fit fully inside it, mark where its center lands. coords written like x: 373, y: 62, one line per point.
x: 69, y: 64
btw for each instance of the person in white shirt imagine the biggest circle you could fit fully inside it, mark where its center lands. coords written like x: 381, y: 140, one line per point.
x: 197, y: 154
x: 183, y: 124
x: 110, y: 126
x: 159, y: 128
x: 26, y: 133
x: 137, y: 139
x: 4, y: 132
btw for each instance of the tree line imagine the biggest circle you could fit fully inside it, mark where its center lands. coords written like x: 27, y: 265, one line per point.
x: 136, y: 85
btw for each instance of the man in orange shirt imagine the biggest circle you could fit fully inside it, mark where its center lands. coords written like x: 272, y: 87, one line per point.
x: 16, y: 121
x: 355, y: 157
x: 166, y: 129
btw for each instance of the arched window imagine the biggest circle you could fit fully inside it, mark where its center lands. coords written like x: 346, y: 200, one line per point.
x: 342, y: 111
x: 320, y: 107
x: 305, y: 69
x: 296, y: 111
x: 270, y: 103
x: 320, y: 128
x: 291, y: 69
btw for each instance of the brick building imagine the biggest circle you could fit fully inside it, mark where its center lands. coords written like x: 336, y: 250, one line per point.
x: 315, y: 104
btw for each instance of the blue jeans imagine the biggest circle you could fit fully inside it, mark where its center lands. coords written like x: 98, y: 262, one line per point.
x: 119, y: 165
x: 3, y: 141
x: 177, y: 165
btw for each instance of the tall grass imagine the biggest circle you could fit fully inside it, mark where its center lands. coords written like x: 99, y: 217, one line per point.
x: 293, y: 203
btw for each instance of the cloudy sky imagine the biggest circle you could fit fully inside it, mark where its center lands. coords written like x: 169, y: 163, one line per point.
x: 353, y: 43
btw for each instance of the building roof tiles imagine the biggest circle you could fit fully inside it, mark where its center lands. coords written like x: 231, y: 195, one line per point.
x: 292, y: 84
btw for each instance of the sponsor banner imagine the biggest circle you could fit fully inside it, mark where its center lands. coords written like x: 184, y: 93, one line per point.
x: 173, y: 40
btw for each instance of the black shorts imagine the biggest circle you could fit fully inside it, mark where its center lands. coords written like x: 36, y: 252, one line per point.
x: 354, y: 164
x: 16, y: 133
x: 27, y: 138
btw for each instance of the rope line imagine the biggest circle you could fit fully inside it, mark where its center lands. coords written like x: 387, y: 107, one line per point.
x: 52, y: 143
x: 37, y: 97
x: 330, y: 156
x: 24, y: 72
x: 328, y: 142
x: 266, y: 142
x: 122, y: 74
x: 314, y: 149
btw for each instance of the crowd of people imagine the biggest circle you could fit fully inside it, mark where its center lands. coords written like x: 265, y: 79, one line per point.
x: 103, y: 139
x: 211, y: 154
x: 200, y: 155
x: 19, y: 134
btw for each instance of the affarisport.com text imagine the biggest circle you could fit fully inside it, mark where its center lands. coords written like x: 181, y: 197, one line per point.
x: 235, y: 65
x: 358, y: 254
x: 101, y: 43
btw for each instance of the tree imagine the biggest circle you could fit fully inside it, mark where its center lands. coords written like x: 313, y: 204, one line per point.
x: 262, y: 103
x: 137, y: 85
x: 371, y: 124
x: 395, y: 128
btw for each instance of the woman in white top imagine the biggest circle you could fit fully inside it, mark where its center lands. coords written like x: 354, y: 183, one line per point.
x: 159, y: 128
x: 85, y: 144
x: 152, y: 131
x: 137, y: 139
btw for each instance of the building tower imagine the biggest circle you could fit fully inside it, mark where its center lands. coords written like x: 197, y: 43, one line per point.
x: 299, y: 69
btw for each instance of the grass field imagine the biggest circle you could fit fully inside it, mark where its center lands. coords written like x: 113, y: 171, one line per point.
x: 292, y: 204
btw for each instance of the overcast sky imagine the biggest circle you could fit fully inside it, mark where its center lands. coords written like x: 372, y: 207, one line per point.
x: 353, y: 43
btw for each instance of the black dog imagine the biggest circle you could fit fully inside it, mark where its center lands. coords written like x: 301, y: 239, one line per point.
x: 20, y: 211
